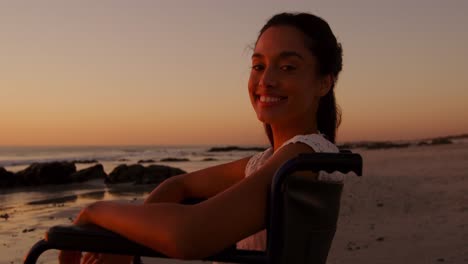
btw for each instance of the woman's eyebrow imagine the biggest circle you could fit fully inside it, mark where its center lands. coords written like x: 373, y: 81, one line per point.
x: 257, y: 55
x: 283, y: 54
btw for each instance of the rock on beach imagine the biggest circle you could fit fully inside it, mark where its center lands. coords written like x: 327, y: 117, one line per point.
x: 65, y: 172
x: 94, y: 172
x: 46, y: 173
x: 7, y: 179
x: 235, y: 148
x: 139, y: 174
x: 174, y: 159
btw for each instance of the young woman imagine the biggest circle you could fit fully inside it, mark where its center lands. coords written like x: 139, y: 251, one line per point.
x: 295, y: 66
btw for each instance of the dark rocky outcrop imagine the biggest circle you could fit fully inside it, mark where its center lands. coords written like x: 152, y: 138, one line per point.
x: 46, y: 173
x: 374, y: 145
x: 441, y: 141
x: 7, y: 179
x: 158, y: 173
x: 389, y: 144
x: 423, y: 143
x: 65, y: 172
x: 386, y: 145
x: 85, y: 161
x: 125, y: 173
x: 146, y: 161
x: 235, y: 148
x: 139, y: 174
x: 435, y: 141
x: 174, y: 159
x: 94, y: 172
x: 209, y: 159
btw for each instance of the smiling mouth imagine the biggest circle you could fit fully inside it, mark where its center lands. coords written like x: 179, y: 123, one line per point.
x: 268, y: 99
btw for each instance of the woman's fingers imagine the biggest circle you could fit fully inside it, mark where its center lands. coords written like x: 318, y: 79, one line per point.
x: 69, y: 257
x: 87, y: 256
x: 96, y: 260
x: 91, y: 258
x: 99, y: 258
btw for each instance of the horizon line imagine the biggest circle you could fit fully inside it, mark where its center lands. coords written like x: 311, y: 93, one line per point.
x: 460, y: 135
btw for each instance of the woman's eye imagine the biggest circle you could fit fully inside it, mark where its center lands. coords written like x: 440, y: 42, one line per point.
x: 287, y: 68
x: 257, y: 67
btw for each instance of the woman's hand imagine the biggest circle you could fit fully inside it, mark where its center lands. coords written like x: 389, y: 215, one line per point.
x: 83, y: 217
x: 69, y: 257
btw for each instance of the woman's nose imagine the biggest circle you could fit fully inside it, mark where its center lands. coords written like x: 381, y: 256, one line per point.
x: 268, y: 78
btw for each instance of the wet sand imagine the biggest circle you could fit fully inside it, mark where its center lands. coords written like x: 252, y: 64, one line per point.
x: 411, y: 206
x: 34, y: 211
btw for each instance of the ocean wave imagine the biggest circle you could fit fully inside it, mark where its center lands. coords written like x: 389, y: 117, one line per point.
x: 82, y: 159
x: 13, y: 157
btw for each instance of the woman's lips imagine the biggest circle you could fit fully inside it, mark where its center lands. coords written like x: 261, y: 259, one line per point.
x: 270, y: 100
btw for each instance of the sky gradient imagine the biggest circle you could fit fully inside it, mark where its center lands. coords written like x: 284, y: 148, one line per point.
x: 175, y: 72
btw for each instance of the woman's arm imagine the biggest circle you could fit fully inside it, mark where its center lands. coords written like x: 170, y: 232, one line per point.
x: 196, y: 231
x: 203, y: 184
x: 121, y: 217
x: 157, y: 225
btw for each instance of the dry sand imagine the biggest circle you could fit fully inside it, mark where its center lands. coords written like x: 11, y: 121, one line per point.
x: 411, y: 206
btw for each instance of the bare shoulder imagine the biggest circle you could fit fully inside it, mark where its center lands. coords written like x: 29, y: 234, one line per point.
x: 290, y: 151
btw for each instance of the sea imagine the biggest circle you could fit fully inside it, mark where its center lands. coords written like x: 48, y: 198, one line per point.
x: 18, y: 158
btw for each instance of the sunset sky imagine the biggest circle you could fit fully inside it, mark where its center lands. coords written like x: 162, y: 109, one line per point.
x: 175, y: 72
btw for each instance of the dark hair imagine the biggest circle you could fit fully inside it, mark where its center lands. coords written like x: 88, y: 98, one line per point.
x: 328, y: 52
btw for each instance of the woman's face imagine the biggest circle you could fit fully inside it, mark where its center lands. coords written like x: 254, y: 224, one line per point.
x: 284, y: 86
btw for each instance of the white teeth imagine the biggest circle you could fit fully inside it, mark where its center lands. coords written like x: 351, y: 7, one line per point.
x: 269, y: 99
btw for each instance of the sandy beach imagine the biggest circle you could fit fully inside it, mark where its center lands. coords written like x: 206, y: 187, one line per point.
x: 411, y: 206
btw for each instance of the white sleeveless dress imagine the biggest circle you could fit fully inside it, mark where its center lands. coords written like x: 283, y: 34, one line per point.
x: 318, y: 143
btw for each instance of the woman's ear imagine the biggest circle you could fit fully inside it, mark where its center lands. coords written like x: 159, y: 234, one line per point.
x: 326, y: 84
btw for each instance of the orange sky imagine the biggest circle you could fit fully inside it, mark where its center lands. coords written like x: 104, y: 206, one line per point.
x: 175, y: 72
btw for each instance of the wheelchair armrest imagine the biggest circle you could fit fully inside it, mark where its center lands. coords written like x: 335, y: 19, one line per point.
x: 91, y: 238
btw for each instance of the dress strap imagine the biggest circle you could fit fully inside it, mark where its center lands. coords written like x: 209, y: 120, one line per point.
x: 319, y: 144
x: 316, y: 141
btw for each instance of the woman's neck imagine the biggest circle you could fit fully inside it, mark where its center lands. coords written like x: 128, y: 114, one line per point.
x: 281, y: 133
